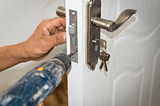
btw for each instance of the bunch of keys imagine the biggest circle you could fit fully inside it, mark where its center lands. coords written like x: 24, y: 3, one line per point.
x: 104, y: 57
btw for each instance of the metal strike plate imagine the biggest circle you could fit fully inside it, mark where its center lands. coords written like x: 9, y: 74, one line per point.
x: 73, y: 34
x: 93, y: 33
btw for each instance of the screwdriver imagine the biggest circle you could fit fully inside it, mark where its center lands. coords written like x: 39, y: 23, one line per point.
x: 73, y: 52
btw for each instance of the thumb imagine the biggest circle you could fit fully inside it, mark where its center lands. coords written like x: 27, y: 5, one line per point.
x: 58, y: 38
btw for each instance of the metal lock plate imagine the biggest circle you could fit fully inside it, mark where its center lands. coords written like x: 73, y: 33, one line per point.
x: 73, y: 34
x: 93, y: 33
x: 72, y: 30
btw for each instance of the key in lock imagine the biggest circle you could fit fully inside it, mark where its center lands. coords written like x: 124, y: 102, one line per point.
x: 104, y: 57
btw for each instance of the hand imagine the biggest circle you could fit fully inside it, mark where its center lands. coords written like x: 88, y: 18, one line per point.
x: 47, y: 35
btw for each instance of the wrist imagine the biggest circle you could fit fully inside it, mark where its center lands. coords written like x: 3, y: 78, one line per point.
x: 20, y: 52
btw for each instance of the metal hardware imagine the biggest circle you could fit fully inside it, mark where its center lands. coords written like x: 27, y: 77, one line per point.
x: 104, y: 57
x: 74, y: 40
x: 73, y: 34
x: 94, y: 23
x: 101, y: 65
x: 99, y: 43
x: 93, y: 33
x: 72, y: 30
x: 102, y: 44
x: 61, y: 11
x: 110, y: 25
x: 73, y: 58
x: 95, y: 42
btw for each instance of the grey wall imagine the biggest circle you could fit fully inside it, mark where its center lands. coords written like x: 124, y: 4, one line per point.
x: 18, y: 20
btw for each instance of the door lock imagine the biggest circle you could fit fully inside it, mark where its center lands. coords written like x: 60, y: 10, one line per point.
x: 94, y: 23
x: 72, y: 29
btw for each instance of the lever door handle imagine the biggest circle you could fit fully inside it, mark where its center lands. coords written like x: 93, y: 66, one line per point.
x: 61, y: 11
x: 110, y: 25
x: 94, y: 23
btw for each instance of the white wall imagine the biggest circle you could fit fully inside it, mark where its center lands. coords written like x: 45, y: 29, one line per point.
x: 18, y: 20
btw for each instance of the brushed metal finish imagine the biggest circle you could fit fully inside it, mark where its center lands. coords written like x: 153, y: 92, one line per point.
x: 72, y: 30
x: 73, y: 36
x: 110, y: 25
x: 61, y: 11
x: 93, y: 33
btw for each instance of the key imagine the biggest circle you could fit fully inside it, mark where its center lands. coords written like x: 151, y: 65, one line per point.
x: 100, y: 67
x: 104, y: 57
x: 105, y: 66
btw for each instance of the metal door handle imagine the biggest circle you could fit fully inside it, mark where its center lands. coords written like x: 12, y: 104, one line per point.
x: 61, y: 11
x: 110, y: 25
x: 94, y: 23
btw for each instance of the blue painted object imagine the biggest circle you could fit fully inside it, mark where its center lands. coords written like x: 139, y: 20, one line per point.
x: 37, y: 84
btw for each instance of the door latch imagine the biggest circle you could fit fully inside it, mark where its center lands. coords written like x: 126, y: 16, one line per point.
x: 94, y: 23
x: 72, y: 29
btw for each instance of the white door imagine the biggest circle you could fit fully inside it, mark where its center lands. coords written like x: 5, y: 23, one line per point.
x: 134, y: 67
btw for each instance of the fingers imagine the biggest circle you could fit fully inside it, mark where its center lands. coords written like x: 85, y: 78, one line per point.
x: 53, y: 26
x: 61, y: 28
x: 45, y: 31
x: 58, y: 38
x: 56, y: 23
x: 56, y: 29
x: 59, y: 22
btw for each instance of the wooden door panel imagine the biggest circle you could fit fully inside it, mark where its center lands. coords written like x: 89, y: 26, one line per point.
x: 133, y: 77
x: 127, y: 89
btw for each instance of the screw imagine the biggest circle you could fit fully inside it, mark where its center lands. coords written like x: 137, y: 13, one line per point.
x: 73, y: 58
x: 73, y: 24
x: 104, y: 43
x: 73, y: 13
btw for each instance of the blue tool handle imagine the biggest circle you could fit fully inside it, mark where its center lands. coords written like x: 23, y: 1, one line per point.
x: 37, y: 84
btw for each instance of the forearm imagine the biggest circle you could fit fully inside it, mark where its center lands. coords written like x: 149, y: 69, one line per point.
x: 12, y: 55
x: 47, y: 35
